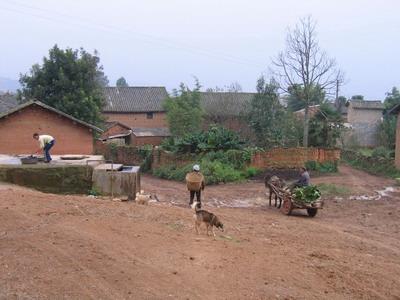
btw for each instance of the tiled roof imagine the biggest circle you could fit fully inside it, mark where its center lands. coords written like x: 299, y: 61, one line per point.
x: 7, y: 102
x: 29, y: 103
x: 108, y: 125
x: 134, y: 99
x: 151, y: 131
x: 225, y: 103
x: 366, y: 104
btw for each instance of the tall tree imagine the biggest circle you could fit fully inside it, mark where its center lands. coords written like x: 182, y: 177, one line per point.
x: 234, y: 87
x: 69, y: 80
x: 121, y: 82
x: 302, y: 63
x: 184, y: 113
x: 268, y: 119
x: 387, y: 129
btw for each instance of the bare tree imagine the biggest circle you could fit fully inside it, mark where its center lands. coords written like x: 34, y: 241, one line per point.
x: 304, y: 64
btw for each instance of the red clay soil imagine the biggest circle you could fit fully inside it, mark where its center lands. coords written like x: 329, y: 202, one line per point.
x: 76, y: 247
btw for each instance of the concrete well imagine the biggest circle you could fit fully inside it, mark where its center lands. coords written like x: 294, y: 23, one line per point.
x: 117, y: 180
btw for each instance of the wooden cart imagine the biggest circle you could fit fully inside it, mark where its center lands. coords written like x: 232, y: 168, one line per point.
x: 289, y: 202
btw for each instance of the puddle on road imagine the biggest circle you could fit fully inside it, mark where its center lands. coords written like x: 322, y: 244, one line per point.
x: 386, y: 192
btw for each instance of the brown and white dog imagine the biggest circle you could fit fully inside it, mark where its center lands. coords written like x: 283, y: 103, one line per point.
x: 142, y: 198
x: 209, y: 219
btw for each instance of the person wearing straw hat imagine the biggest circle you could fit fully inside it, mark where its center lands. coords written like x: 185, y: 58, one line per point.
x: 195, y: 184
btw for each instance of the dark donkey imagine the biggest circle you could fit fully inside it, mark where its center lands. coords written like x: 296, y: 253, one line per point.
x: 277, y: 183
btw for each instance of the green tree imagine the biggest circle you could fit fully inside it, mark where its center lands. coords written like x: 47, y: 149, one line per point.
x: 184, y: 113
x: 326, y: 127
x: 357, y: 97
x: 392, y: 99
x: 340, y: 102
x: 272, y: 126
x: 387, y: 129
x: 121, y: 82
x: 296, y: 94
x: 69, y: 80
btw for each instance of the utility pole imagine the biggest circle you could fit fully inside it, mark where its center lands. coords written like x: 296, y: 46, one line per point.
x: 337, y: 104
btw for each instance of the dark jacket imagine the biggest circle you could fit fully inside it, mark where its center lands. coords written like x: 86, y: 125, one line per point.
x: 304, y: 179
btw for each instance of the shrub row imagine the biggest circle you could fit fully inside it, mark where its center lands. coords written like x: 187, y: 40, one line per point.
x: 374, y: 164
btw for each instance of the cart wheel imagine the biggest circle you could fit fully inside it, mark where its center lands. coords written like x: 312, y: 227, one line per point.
x: 287, y: 206
x: 312, y: 212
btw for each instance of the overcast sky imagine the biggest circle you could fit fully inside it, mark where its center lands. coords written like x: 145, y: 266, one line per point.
x: 162, y: 43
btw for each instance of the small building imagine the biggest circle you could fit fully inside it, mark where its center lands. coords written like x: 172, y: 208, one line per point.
x: 364, y: 118
x: 122, y: 134
x: 17, y: 126
x: 136, y: 106
x: 396, y: 111
x: 149, y: 136
x: 117, y: 132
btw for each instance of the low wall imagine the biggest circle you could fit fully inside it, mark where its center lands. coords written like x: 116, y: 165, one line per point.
x: 126, y: 155
x: 274, y: 158
x: 163, y: 158
x: 292, y: 157
x: 49, y: 178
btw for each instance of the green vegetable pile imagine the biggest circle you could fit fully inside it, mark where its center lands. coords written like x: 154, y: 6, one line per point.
x: 307, y: 194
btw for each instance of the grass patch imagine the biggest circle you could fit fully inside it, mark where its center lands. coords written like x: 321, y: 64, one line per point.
x: 329, y: 189
x: 376, y: 165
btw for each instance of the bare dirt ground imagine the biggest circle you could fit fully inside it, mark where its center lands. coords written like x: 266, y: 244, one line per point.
x: 76, y: 247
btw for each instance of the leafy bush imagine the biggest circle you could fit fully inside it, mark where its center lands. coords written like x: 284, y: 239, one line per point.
x: 216, y: 171
x: 311, y: 165
x: 382, y: 152
x: 328, y: 167
x: 215, y: 139
x: 213, y: 171
x: 173, y: 172
x: 325, y: 167
x: 146, y: 152
x: 251, y: 172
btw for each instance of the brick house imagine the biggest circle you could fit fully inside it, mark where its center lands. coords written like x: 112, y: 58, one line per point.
x: 227, y: 109
x: 18, y: 125
x: 363, y: 118
x: 396, y: 111
x: 140, y: 107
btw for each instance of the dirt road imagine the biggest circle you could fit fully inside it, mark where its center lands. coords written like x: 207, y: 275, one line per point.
x: 75, y: 247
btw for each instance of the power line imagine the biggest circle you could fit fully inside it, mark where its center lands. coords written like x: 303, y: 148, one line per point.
x: 113, y: 29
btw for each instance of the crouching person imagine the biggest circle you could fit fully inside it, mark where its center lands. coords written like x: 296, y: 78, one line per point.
x: 195, y: 184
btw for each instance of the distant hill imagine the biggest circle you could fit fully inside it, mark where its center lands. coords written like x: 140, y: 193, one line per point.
x: 7, y: 84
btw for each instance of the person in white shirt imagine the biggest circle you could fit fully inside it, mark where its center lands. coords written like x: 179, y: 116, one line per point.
x: 46, y: 142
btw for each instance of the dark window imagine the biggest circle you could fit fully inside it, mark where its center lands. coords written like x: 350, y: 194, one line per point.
x: 149, y: 115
